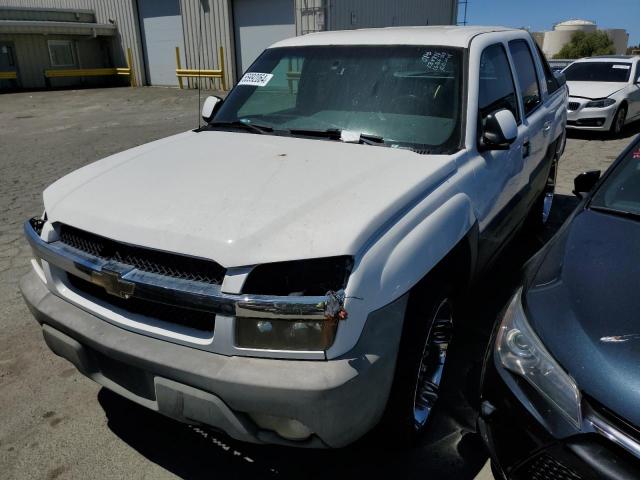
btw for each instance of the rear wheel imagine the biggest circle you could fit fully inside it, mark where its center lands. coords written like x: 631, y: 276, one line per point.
x: 426, y: 336
x: 618, y: 121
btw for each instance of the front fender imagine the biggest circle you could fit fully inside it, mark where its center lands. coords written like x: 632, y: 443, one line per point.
x: 399, y: 260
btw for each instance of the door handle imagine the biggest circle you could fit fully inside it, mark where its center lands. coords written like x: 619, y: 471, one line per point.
x: 547, y: 126
x: 526, y: 149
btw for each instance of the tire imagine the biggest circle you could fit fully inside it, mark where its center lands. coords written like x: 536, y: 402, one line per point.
x: 541, y: 210
x: 427, y: 333
x: 618, y: 121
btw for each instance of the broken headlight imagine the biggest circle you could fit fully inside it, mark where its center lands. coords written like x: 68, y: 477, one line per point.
x: 311, y: 277
x: 520, y: 351
x: 314, y: 277
x: 297, y: 335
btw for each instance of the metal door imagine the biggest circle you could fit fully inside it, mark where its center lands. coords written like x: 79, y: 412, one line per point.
x: 161, y: 29
x: 258, y: 24
x: 7, y: 64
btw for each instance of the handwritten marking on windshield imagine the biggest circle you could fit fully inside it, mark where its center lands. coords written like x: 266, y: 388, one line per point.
x: 620, y: 338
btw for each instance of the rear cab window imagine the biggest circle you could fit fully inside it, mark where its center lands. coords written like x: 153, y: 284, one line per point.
x: 527, y: 75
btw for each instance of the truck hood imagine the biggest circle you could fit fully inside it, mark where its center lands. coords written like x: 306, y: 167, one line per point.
x: 594, y: 89
x: 585, y: 307
x: 243, y: 199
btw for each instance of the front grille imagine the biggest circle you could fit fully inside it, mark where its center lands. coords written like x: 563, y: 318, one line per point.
x: 145, y: 259
x: 545, y: 467
x: 187, y: 317
x: 573, y: 106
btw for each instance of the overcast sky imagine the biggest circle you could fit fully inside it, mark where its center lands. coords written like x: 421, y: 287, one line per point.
x: 540, y: 15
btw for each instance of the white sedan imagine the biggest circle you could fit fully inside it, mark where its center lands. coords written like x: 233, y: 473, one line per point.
x: 604, y: 93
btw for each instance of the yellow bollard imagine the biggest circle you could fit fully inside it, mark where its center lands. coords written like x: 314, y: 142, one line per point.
x: 132, y: 75
x: 223, y: 81
x: 178, y: 67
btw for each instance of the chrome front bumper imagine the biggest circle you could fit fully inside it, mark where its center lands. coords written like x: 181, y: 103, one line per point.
x: 124, y: 280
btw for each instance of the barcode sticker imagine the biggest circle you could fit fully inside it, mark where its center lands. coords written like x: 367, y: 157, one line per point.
x: 622, y: 67
x: 255, y: 79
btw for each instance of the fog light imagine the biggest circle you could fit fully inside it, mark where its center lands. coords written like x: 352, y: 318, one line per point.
x: 285, y: 427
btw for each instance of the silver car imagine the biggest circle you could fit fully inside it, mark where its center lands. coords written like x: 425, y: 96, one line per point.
x: 604, y: 93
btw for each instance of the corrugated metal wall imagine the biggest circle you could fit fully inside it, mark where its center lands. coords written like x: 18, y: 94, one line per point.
x: 213, y: 17
x: 121, y: 11
x: 348, y: 14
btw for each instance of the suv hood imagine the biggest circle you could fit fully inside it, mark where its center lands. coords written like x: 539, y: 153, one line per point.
x: 585, y: 307
x: 594, y: 90
x: 241, y: 198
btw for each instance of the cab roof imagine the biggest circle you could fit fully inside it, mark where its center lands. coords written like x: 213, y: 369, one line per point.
x: 436, y: 35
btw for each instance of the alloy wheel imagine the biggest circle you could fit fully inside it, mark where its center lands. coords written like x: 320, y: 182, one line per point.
x: 619, y: 121
x: 434, y: 356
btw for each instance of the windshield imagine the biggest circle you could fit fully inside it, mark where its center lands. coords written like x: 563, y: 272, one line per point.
x: 621, y: 190
x: 598, y: 72
x: 409, y: 96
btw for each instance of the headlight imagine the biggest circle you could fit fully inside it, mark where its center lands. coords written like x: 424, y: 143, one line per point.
x: 312, y: 278
x: 520, y: 351
x: 297, y: 335
x: 602, y: 103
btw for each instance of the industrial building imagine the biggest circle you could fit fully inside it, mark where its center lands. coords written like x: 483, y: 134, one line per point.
x: 43, y: 42
x: 552, y: 42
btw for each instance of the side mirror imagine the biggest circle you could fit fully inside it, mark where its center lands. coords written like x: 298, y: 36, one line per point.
x: 210, y: 107
x: 499, y: 130
x: 585, y: 182
x: 561, y: 78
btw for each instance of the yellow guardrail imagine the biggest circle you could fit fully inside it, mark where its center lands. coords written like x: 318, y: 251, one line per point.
x: 195, y: 73
x: 95, y: 72
x: 9, y: 75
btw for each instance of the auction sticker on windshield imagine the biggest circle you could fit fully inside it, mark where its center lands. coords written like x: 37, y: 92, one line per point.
x: 255, y: 79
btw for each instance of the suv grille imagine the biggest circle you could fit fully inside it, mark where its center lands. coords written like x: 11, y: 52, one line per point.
x: 187, y: 317
x: 145, y: 259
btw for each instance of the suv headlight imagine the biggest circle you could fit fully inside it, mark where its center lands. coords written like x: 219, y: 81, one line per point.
x: 310, y: 278
x: 520, y: 351
x: 602, y: 103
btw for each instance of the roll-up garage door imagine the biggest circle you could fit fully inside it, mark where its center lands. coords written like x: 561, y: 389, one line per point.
x: 258, y: 24
x: 161, y: 28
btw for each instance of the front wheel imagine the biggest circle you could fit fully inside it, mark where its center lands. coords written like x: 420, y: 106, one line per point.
x: 426, y: 337
x: 618, y: 121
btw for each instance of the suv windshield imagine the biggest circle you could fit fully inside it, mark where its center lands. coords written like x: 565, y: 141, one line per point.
x: 620, y: 192
x: 598, y: 72
x: 405, y: 96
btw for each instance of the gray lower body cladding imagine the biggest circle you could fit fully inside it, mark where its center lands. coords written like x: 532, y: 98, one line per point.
x: 339, y: 400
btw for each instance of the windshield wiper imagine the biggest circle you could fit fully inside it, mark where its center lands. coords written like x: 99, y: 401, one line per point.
x: 614, y: 211
x: 252, y: 127
x: 331, y: 133
x: 336, y: 134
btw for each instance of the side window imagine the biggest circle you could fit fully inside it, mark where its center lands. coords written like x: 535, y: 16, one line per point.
x: 527, y: 78
x: 550, y: 78
x: 496, y: 89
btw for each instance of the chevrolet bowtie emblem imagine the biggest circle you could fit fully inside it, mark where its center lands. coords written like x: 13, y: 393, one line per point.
x: 113, y: 283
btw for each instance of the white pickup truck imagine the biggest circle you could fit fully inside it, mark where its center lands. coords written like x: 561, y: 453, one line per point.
x: 288, y: 273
